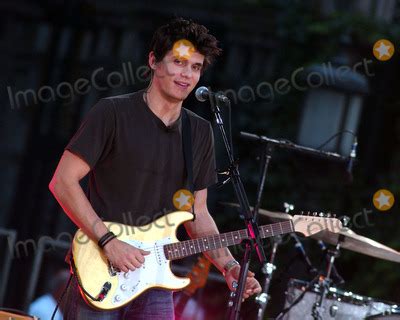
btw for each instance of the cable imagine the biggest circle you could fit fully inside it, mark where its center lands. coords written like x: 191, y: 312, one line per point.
x: 61, y: 297
x: 228, y: 104
x: 334, y: 136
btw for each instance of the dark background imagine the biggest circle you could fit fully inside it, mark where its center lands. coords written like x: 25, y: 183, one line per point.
x: 45, y: 43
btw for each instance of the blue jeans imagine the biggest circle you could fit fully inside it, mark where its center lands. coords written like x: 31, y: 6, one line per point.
x: 152, y: 304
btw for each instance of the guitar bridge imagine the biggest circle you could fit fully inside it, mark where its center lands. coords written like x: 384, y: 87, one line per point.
x: 111, y: 270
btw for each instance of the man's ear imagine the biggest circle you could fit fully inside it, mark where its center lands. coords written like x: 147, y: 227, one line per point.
x: 152, y: 60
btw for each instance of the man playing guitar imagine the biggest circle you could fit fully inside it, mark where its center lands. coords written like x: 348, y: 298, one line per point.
x: 131, y: 148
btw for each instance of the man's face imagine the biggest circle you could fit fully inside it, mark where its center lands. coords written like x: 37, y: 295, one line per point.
x: 177, y: 76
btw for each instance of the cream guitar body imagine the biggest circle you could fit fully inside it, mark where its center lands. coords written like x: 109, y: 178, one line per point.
x: 94, y: 270
x: 105, y: 288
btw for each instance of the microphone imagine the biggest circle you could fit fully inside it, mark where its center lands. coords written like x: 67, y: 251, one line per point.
x: 203, y: 93
x: 299, y: 246
x: 352, y: 158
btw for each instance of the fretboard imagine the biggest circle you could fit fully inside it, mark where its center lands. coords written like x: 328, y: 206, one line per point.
x: 179, y: 250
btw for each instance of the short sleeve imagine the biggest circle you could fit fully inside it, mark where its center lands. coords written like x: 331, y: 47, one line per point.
x: 94, y: 139
x: 206, y: 174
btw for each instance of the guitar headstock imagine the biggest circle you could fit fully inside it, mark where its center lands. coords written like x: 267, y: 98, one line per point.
x: 312, y: 223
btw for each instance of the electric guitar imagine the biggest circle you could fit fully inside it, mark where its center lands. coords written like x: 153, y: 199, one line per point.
x: 105, y: 288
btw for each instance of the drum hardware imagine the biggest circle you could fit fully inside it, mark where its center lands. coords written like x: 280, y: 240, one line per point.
x: 347, y: 239
x: 263, y: 298
x: 321, y: 286
x: 325, y: 282
x: 391, y: 313
x: 338, y: 304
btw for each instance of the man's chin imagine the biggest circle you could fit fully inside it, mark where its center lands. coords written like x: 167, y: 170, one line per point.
x: 180, y: 96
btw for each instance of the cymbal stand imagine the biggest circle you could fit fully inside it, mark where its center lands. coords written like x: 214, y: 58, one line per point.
x: 324, y: 282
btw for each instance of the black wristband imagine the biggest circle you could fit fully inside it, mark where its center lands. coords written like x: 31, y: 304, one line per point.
x: 105, y: 239
x: 108, y: 240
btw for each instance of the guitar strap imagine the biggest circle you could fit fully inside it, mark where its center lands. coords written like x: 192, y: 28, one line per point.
x: 188, y: 152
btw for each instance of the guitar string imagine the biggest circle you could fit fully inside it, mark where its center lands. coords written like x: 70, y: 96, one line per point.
x: 272, y: 228
x: 284, y: 229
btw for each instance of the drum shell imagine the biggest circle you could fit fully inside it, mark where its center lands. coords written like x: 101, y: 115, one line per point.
x: 338, y: 304
x: 332, y: 307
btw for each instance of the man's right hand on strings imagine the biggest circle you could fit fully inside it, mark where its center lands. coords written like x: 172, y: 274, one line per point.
x: 124, y: 256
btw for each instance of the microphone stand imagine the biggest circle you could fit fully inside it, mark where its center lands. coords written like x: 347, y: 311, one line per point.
x: 267, y: 269
x: 268, y: 145
x: 286, y: 144
x: 325, y: 282
x: 254, y: 240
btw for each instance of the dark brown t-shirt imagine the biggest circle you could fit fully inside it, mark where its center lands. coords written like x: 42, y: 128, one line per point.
x: 136, y: 161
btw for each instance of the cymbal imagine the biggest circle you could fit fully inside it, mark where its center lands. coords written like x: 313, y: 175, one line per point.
x: 273, y: 215
x: 354, y: 242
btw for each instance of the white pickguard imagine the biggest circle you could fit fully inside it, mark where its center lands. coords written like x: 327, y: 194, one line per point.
x: 154, y: 272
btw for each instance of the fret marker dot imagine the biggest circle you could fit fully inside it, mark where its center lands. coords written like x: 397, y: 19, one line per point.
x: 223, y: 240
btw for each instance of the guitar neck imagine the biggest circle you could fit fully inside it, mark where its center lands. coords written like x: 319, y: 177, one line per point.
x: 179, y: 250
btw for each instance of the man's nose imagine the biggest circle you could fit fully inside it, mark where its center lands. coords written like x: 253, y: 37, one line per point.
x: 186, y: 71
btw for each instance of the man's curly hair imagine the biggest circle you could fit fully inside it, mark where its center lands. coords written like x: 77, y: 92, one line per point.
x: 178, y: 29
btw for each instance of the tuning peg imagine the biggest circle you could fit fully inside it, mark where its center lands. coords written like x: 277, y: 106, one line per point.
x: 301, y: 213
x: 328, y: 215
x: 334, y: 215
x: 345, y: 220
x: 288, y: 207
x: 314, y: 214
x: 321, y: 214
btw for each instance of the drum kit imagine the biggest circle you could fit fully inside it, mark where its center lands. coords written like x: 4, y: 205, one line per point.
x: 319, y: 299
x: 337, y: 304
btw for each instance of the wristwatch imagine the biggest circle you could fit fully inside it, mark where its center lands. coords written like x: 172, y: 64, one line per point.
x: 229, y: 266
